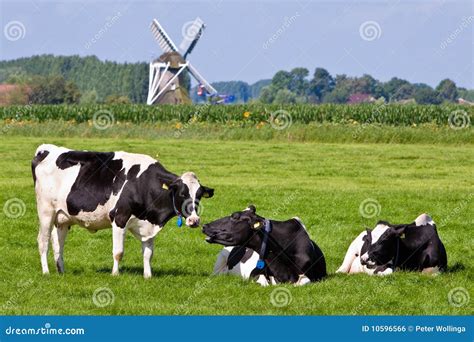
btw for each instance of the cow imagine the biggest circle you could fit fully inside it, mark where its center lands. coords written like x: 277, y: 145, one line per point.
x: 286, y: 252
x: 414, y: 246
x: 99, y: 190
x: 240, y: 261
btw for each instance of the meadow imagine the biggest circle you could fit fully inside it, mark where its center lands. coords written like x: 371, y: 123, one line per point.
x: 323, y: 178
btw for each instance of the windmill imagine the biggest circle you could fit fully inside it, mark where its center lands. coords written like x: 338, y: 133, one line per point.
x: 167, y: 80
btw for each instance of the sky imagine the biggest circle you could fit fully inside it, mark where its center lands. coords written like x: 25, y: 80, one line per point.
x: 421, y: 41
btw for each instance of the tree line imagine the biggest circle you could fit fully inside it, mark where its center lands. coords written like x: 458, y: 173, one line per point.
x: 74, y: 79
x: 296, y: 86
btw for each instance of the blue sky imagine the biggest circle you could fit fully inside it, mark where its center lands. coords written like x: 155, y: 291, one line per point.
x: 422, y: 41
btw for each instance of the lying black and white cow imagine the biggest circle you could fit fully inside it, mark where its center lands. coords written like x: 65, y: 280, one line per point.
x: 287, y: 254
x: 415, y: 246
x: 97, y: 190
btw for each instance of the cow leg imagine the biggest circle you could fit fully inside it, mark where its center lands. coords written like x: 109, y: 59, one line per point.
x: 118, y: 246
x: 58, y: 237
x: 46, y: 222
x: 147, y: 249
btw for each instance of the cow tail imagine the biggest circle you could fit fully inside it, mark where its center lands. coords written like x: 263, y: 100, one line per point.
x: 41, y: 154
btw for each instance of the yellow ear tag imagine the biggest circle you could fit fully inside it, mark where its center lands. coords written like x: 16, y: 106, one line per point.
x: 256, y: 225
x: 402, y: 236
x: 165, y: 186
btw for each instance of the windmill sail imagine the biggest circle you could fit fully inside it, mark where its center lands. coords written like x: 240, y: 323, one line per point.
x: 193, y: 71
x: 162, y: 37
x: 191, y: 33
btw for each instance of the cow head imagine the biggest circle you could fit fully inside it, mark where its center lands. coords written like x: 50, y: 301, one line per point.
x: 380, y: 244
x: 187, y: 193
x: 236, y: 229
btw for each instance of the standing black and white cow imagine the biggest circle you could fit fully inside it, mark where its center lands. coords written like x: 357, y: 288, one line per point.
x: 287, y: 254
x: 415, y: 246
x: 99, y: 190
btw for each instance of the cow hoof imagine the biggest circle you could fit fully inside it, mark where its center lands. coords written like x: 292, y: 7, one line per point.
x: 147, y: 276
x: 115, y: 273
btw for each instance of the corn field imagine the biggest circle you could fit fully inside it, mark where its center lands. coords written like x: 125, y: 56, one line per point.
x: 387, y: 114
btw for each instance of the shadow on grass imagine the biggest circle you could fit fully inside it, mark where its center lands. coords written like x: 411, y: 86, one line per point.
x: 157, y: 272
x: 457, y: 267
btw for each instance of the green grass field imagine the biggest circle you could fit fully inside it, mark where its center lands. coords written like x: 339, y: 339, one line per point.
x: 322, y: 183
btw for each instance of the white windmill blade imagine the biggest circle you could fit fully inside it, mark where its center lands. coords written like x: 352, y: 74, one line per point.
x: 193, y: 71
x: 191, y: 31
x: 162, y: 37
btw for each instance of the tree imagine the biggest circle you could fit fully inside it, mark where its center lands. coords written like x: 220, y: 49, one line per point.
x: 89, y: 97
x: 284, y: 96
x: 52, y: 90
x: 392, y: 87
x: 299, y: 84
x: 338, y: 95
x: 405, y: 92
x: 341, y: 92
x: 424, y: 95
x: 282, y: 80
x: 447, y: 90
x: 257, y: 87
x: 71, y: 93
x: 466, y: 94
x: 267, y: 95
x: 321, y: 84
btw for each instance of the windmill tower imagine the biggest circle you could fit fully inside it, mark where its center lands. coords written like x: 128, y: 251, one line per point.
x: 167, y: 80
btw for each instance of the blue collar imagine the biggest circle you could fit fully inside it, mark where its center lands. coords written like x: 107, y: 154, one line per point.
x: 179, y: 223
x: 266, y: 232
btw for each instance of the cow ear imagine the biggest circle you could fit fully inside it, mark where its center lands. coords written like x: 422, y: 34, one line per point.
x: 257, y: 224
x: 173, y: 186
x: 368, y: 236
x: 400, y: 231
x: 207, y: 192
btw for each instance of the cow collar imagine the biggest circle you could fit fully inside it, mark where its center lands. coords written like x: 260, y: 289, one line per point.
x: 179, y: 223
x: 266, y: 233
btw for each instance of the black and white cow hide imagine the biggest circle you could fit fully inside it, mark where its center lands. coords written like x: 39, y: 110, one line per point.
x: 415, y: 246
x: 99, y: 190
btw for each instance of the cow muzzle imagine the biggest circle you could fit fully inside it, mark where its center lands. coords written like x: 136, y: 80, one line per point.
x: 193, y: 221
x: 365, y: 261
